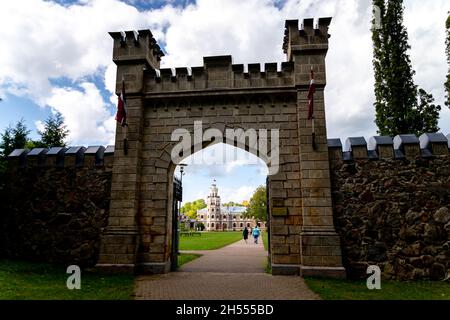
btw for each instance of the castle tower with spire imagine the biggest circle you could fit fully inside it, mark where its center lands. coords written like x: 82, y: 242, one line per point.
x: 216, y: 217
x: 213, y: 208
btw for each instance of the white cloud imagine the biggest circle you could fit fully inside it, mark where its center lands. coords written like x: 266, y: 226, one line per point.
x: 250, y: 30
x: 222, y: 160
x: 110, y: 81
x: 47, y: 41
x: 85, y: 114
x: 40, y: 125
x: 236, y: 195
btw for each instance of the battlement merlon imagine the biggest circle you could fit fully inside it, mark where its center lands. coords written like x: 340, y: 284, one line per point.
x: 136, y: 47
x: 306, y: 37
x: 133, y: 52
x: 306, y: 46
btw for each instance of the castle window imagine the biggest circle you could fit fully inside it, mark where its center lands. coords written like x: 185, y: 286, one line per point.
x: 212, y: 217
x: 201, y: 217
x: 234, y: 225
x: 212, y: 225
x: 242, y: 225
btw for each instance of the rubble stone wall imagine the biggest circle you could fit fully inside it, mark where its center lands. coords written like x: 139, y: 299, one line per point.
x: 393, y: 213
x: 55, y: 213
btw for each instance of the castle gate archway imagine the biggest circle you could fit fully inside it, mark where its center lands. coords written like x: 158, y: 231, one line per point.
x: 223, y: 97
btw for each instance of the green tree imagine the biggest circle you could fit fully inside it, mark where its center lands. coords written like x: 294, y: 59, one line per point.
x: 429, y: 113
x: 233, y: 204
x: 447, y: 84
x: 190, y: 208
x: 54, y: 133
x: 258, y: 204
x: 14, y: 138
x: 400, y: 106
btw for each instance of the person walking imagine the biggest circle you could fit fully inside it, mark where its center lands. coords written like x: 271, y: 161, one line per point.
x: 256, y: 232
x: 245, y: 234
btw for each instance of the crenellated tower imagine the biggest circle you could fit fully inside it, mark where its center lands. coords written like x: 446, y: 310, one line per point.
x: 128, y: 231
x: 306, y: 46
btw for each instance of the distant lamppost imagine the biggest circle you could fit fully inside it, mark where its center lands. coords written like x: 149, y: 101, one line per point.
x: 182, y: 173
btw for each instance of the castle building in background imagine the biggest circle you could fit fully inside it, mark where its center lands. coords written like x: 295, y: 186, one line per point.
x: 216, y: 217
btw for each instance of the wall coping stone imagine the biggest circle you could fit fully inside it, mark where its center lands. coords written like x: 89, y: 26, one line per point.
x: 18, y: 153
x: 427, y: 139
x: 399, y: 154
x: 334, y: 143
x: 36, y: 152
x: 56, y: 151
x: 404, y: 139
x: 352, y: 142
x: 376, y: 141
x: 347, y: 156
x: 373, y: 155
x: 109, y: 150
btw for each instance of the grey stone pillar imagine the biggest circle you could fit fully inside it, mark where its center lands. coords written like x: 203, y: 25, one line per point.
x: 120, y: 241
x: 320, y: 249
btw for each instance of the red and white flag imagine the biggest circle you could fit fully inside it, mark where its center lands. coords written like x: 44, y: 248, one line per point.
x: 312, y: 90
x: 121, y: 115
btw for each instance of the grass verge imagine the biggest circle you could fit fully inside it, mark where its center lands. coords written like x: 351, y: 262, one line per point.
x: 338, y: 289
x: 41, y: 281
x: 185, y: 258
x: 268, y: 267
x: 209, y: 240
x: 265, y: 237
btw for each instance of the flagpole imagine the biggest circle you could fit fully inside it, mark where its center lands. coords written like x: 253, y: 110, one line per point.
x: 314, y: 134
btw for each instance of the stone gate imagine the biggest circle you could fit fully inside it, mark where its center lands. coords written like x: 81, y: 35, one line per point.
x: 221, y: 95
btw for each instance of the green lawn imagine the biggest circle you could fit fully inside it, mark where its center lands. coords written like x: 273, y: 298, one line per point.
x: 334, y: 289
x: 185, y: 258
x: 41, y: 281
x: 265, y: 236
x: 209, y: 240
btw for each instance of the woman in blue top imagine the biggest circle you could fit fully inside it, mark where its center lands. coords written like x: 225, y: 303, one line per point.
x: 256, y: 234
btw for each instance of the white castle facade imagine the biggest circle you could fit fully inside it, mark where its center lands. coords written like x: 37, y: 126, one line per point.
x: 216, y: 217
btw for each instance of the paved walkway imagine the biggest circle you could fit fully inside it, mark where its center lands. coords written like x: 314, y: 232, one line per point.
x: 239, y: 257
x: 235, y: 272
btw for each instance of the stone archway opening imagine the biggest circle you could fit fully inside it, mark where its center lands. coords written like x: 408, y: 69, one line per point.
x: 223, y: 176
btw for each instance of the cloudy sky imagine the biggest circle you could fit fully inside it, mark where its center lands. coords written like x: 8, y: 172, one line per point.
x: 56, y: 56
